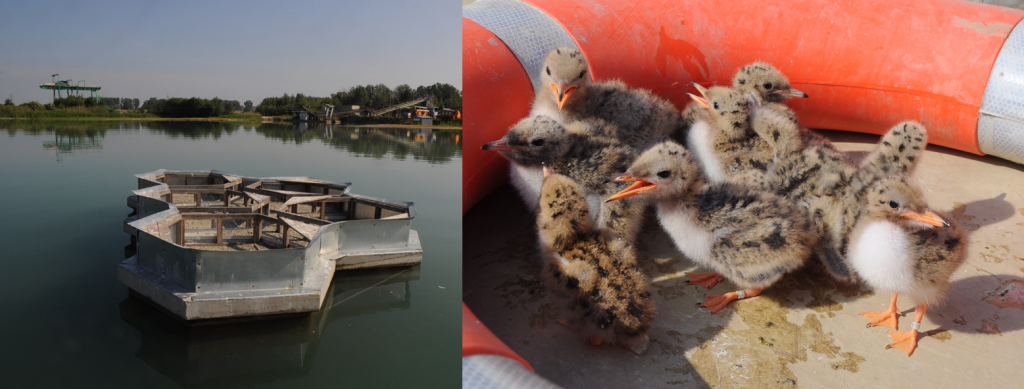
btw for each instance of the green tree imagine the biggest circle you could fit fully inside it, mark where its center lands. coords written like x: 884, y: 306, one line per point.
x: 248, y: 106
x: 33, y: 105
x: 404, y: 93
x: 358, y: 95
x: 8, y: 102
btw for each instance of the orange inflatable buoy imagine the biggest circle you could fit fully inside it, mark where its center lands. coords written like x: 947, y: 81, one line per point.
x: 866, y: 65
x: 953, y: 65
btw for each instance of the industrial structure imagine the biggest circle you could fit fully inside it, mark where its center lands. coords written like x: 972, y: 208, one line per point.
x: 57, y: 86
x: 411, y: 109
x: 211, y: 245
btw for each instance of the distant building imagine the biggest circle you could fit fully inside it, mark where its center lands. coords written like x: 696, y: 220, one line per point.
x: 454, y: 113
x: 423, y: 120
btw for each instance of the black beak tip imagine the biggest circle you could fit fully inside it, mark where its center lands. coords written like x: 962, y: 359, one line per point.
x: 945, y: 224
x: 485, y: 146
x: 607, y: 180
x: 806, y: 95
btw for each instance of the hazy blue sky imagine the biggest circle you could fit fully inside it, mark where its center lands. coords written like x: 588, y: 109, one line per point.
x: 236, y: 51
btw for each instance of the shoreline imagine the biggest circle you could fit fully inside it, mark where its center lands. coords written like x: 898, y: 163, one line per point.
x: 88, y: 118
x: 219, y: 120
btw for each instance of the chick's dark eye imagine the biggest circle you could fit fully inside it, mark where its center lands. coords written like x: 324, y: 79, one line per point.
x: 581, y: 75
x: 664, y: 174
x: 548, y: 69
x: 768, y: 85
x: 537, y: 142
x: 893, y: 204
x: 716, y: 105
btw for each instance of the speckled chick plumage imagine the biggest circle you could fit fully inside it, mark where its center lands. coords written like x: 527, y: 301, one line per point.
x: 574, y: 150
x: 773, y: 88
x: 595, y: 275
x: 723, y: 142
x: 750, y: 237
x: 796, y: 171
x: 896, y: 254
x: 641, y: 117
x: 766, y: 81
x: 835, y: 213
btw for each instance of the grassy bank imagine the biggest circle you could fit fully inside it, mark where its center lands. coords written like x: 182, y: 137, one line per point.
x: 104, y: 113
x: 29, y: 112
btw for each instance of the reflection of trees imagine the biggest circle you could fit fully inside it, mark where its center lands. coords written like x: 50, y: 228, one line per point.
x: 67, y: 128
x: 430, y: 145
x: 422, y: 144
x: 194, y: 130
x: 173, y: 129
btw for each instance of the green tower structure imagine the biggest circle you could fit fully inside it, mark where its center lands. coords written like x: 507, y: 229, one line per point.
x: 66, y: 85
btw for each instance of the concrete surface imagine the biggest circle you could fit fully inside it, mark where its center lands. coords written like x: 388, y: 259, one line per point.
x: 803, y: 332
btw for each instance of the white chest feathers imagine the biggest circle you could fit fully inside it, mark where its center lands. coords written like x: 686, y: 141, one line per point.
x: 881, y: 256
x: 700, y: 141
x: 691, y: 239
x: 527, y: 181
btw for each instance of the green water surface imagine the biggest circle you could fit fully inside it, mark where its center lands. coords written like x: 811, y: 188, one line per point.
x: 67, y: 322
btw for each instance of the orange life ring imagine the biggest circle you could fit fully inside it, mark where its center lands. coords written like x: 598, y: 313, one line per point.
x: 866, y: 65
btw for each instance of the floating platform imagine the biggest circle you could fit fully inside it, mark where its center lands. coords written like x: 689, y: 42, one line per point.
x: 211, y: 245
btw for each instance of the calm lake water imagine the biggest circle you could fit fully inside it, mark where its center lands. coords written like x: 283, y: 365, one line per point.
x: 67, y: 322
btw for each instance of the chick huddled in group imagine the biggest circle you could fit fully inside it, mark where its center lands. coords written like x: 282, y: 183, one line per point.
x: 722, y: 140
x: 575, y: 151
x: 771, y: 87
x: 758, y: 197
x: 901, y: 247
x: 746, y: 236
x: 604, y: 294
x: 569, y: 94
x: 765, y: 80
x: 834, y: 213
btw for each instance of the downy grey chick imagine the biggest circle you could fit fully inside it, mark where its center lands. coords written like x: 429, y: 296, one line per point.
x: 604, y: 294
x: 901, y: 247
x: 572, y: 150
x: 746, y: 235
x: 641, y: 117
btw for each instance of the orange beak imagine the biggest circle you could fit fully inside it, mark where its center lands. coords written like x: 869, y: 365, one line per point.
x: 795, y: 93
x: 544, y: 167
x: 501, y: 145
x: 562, y: 92
x: 703, y: 91
x: 929, y: 217
x: 700, y: 100
x: 633, y: 190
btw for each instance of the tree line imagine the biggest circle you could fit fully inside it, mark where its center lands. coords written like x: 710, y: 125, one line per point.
x: 125, y: 103
x: 193, y: 107
x: 366, y: 97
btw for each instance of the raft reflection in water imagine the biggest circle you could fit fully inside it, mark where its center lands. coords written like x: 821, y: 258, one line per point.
x: 261, y: 351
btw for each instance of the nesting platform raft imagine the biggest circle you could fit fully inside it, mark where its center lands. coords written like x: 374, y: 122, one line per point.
x: 211, y: 245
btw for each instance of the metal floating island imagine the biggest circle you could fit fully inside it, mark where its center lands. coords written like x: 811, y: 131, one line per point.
x: 211, y: 245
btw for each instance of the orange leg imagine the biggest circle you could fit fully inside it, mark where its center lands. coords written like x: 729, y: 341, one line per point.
x: 565, y: 324
x: 886, y: 318
x: 715, y: 303
x: 594, y: 339
x: 907, y: 341
x: 707, y: 280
